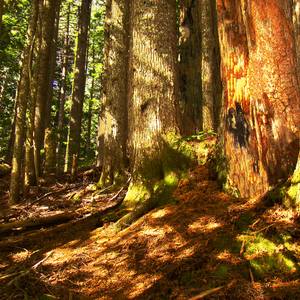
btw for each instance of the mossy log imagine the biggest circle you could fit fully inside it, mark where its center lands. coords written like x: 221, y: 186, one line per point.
x: 4, y: 169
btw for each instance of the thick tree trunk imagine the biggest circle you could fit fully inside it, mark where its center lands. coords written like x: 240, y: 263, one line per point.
x: 114, y: 107
x: 261, y: 93
x: 190, y: 66
x: 73, y: 145
x: 48, y: 13
x: 23, y: 94
x: 63, y: 93
x: 153, y: 98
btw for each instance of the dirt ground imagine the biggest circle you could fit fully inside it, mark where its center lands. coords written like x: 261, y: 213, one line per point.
x: 207, y: 246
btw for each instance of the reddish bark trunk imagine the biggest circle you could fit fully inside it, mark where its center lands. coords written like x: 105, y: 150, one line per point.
x: 261, y: 93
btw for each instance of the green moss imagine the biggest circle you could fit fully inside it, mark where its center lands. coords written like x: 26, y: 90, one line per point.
x: 265, y: 258
x: 137, y: 192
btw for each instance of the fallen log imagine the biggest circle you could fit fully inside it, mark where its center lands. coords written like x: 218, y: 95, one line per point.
x: 90, y: 220
x: 22, y: 225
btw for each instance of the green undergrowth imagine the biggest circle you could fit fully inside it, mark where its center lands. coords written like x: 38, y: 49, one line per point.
x: 268, y: 256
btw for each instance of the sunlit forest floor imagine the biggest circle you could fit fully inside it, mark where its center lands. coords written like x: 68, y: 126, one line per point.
x: 207, y: 246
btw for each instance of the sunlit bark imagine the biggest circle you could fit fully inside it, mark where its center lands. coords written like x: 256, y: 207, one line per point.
x: 114, y: 100
x: 153, y: 87
x: 261, y: 93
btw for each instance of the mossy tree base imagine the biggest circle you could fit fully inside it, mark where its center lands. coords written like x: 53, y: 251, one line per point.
x: 156, y: 179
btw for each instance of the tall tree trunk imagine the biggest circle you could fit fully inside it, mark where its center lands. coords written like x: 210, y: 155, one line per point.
x: 89, y: 119
x: 261, y: 93
x: 153, y: 95
x: 30, y: 171
x: 210, y: 78
x: 50, y: 155
x: 48, y: 13
x: 63, y: 93
x: 23, y: 94
x: 114, y: 100
x: 73, y: 145
x: 190, y: 66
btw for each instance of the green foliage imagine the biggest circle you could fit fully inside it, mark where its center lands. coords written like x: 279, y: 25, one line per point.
x: 12, y: 39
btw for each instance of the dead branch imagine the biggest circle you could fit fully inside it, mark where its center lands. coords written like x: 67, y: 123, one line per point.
x: 65, y: 189
x: 38, y: 222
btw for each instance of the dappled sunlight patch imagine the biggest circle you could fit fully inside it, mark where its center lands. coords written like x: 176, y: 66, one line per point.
x: 21, y: 256
x: 204, y: 224
x: 161, y: 213
x: 228, y: 257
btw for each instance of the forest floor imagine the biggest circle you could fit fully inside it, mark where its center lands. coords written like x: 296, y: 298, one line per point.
x: 208, y: 245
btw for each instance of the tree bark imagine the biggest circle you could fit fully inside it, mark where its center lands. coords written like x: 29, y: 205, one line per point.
x: 63, y: 93
x: 153, y: 99
x: 48, y: 14
x: 50, y: 153
x: 261, y: 93
x: 190, y: 66
x: 114, y: 100
x: 210, y: 77
x: 23, y: 94
x: 73, y: 144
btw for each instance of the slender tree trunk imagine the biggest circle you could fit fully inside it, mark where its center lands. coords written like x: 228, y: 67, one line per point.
x: 73, y: 145
x: 50, y: 155
x: 23, y: 94
x: 63, y: 93
x: 30, y: 171
x: 190, y: 66
x: 210, y: 66
x: 261, y: 93
x: 89, y: 119
x: 114, y: 116
x: 48, y: 13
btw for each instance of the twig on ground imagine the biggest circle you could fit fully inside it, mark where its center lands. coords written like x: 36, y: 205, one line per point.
x: 212, y: 291
x: 251, y: 275
x: 263, y: 229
